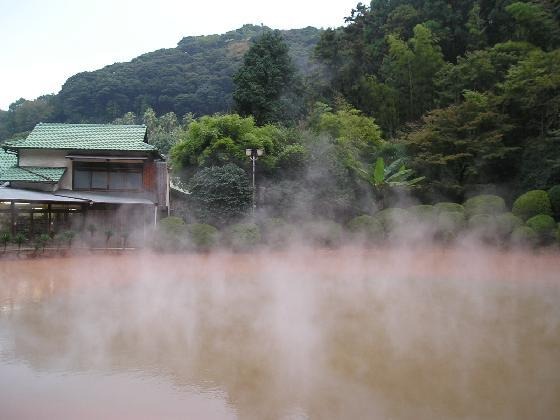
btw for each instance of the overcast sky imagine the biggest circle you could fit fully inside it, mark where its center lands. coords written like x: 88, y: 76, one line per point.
x: 46, y: 41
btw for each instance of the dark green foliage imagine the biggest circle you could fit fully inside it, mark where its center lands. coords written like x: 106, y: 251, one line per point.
x: 202, y: 237
x: 243, y: 236
x: 220, y: 194
x: 524, y: 236
x: 532, y: 92
x: 292, y: 160
x: 532, y: 203
x: 265, y: 85
x: 461, y: 145
x: 485, y: 204
x: 540, y: 162
x: 535, y: 23
x: 365, y: 229
x: 554, y: 196
x: 544, y: 225
x: 481, y: 71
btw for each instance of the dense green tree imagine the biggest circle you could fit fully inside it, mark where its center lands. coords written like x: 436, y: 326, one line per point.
x: 462, y: 145
x: 356, y: 137
x: 532, y: 92
x: 482, y: 70
x: 265, y: 78
x: 220, y: 139
x: 219, y: 195
x: 535, y: 24
x: 410, y: 67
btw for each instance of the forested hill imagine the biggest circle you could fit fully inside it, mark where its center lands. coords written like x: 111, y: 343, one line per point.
x: 195, y: 76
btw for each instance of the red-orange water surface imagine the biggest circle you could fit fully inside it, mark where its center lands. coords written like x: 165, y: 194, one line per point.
x: 348, y: 333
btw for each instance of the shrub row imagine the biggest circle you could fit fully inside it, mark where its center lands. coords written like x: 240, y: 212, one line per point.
x: 485, y: 216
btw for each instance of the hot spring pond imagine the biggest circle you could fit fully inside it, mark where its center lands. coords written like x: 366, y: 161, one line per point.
x: 344, y: 334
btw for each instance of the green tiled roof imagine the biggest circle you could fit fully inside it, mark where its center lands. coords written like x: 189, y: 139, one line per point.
x: 31, y: 174
x: 7, y: 160
x: 85, y: 137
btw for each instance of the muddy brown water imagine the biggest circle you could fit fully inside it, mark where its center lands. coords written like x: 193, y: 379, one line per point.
x: 342, y: 334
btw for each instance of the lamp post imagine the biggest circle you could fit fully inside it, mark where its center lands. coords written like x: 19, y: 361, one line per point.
x: 254, y: 154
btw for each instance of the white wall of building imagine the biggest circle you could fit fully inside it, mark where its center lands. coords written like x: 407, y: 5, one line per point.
x: 51, y: 159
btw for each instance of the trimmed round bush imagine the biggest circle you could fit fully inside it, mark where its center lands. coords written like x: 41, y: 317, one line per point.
x: 448, y: 207
x: 365, y: 228
x: 524, y: 236
x: 554, y: 197
x: 484, y: 227
x: 532, y: 203
x: 506, y: 224
x: 423, y: 213
x: 276, y: 232
x: 202, y: 236
x: 243, y: 236
x: 543, y: 225
x: 323, y: 233
x: 449, y: 224
x: 484, y: 204
x: 393, y: 218
x: 170, y: 234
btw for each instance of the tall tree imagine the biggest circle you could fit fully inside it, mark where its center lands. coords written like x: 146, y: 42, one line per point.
x: 411, y: 67
x: 264, y: 81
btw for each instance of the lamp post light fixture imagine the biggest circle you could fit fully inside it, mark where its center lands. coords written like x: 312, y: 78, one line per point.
x: 254, y: 154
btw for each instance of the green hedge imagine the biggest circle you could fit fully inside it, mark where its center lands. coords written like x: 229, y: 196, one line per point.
x: 323, y: 233
x: 524, y: 236
x: 276, y: 232
x: 423, y: 213
x: 506, y: 223
x: 366, y: 229
x: 448, y: 207
x: 243, y: 236
x: 543, y: 225
x: 484, y: 204
x: 203, y: 237
x: 532, y: 203
x: 450, y: 224
x: 170, y: 234
x: 484, y: 226
x: 393, y: 219
x: 554, y: 197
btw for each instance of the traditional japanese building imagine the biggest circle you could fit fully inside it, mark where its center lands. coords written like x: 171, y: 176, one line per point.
x: 69, y: 176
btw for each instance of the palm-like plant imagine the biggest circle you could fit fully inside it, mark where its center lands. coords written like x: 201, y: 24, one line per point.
x: 92, y: 229
x: 43, y: 240
x: 68, y: 237
x: 19, y: 239
x: 5, y: 238
x: 108, y: 235
x: 383, y: 178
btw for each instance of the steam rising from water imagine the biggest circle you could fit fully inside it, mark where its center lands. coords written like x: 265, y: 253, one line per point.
x: 305, y: 333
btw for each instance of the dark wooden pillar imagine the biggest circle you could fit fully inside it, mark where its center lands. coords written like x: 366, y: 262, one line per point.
x: 13, y: 213
x: 49, y: 219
